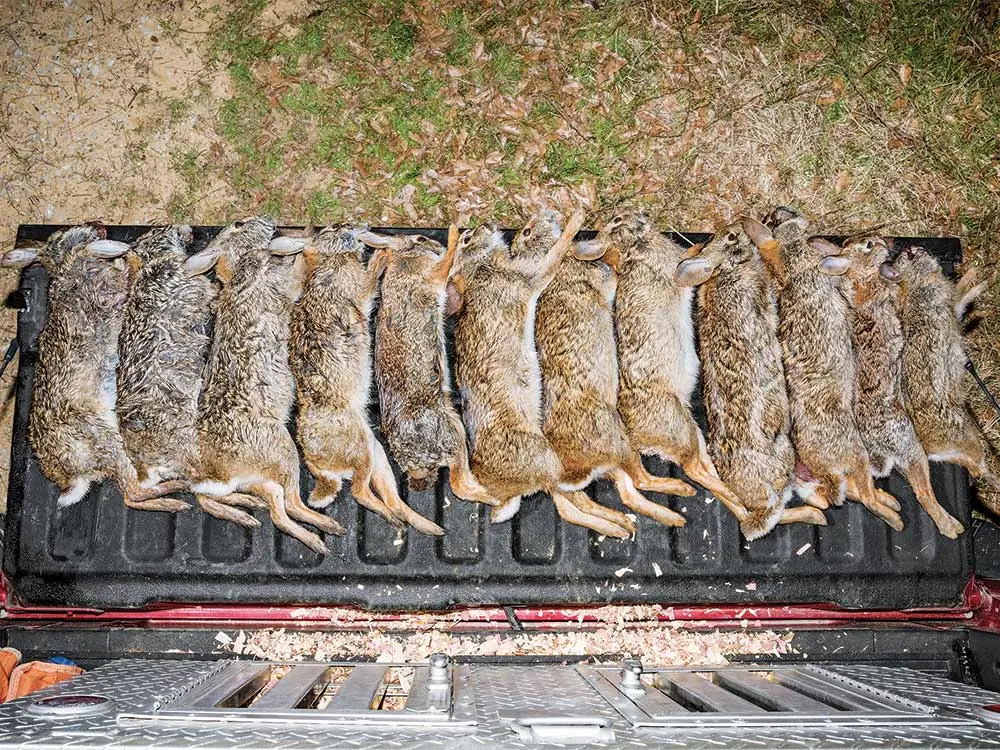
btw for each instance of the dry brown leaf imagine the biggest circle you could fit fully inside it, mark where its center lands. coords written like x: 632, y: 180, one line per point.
x: 905, y: 71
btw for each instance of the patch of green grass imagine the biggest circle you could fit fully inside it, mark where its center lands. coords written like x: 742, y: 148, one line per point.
x: 506, y: 66
x: 178, y: 109
x: 570, y: 164
x: 323, y: 207
x: 190, y: 166
x: 463, y: 39
x: 233, y: 39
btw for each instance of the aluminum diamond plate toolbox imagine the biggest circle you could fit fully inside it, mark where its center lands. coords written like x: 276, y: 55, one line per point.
x: 97, y: 554
x: 221, y: 705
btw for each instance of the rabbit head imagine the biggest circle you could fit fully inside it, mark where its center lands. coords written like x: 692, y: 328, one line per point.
x: 867, y: 255
x: 618, y: 241
x: 727, y: 250
x: 160, y: 243
x: 909, y: 267
x: 411, y: 253
x: 339, y: 240
x: 252, y: 237
x: 476, y: 246
x: 64, y: 247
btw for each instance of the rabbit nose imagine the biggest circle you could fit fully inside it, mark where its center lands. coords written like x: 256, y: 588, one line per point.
x: 100, y: 228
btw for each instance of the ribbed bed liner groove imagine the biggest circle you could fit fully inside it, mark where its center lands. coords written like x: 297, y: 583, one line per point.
x: 98, y: 554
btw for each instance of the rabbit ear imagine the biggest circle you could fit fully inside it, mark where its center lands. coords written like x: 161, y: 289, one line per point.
x: 694, y: 271
x: 890, y: 273
x: 20, y: 257
x: 835, y: 265
x: 379, y: 240
x: 589, y: 249
x: 107, y: 249
x: 824, y: 246
x: 287, y: 245
x: 759, y: 234
x: 204, y: 261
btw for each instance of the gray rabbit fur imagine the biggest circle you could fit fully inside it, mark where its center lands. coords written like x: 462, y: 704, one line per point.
x: 744, y: 389
x: 245, y: 446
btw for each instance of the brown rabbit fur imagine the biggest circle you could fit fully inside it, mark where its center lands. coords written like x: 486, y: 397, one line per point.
x: 934, y: 357
x: 330, y: 357
x: 247, y: 398
x: 73, y: 427
x: 657, y: 362
x: 575, y: 338
x: 421, y: 425
x: 882, y: 419
x: 815, y: 333
x: 499, y: 376
x: 162, y: 351
x: 745, y: 394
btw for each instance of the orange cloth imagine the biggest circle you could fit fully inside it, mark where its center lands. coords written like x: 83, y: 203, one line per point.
x: 9, y: 657
x: 35, y: 675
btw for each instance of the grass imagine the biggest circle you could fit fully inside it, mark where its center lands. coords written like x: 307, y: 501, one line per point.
x: 859, y: 112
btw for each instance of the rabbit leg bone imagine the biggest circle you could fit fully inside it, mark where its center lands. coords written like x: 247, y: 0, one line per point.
x: 803, y: 514
x: 384, y: 483
x: 919, y: 476
x: 326, y: 490
x: 74, y: 493
x: 635, y: 500
x: 274, y: 495
x: 225, y: 512
x: 584, y: 512
x: 643, y: 480
x: 506, y: 511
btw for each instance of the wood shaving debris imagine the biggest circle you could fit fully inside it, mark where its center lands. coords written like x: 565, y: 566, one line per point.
x: 656, y: 644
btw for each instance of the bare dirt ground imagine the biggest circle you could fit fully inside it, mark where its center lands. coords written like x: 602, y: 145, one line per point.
x: 422, y: 112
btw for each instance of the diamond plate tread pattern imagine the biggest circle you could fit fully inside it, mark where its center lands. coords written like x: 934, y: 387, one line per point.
x: 119, y: 558
x: 499, y: 690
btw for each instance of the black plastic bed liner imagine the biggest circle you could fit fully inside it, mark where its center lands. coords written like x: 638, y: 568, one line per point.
x: 98, y: 554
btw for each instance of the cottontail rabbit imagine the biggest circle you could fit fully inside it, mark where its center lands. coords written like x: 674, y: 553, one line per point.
x: 499, y: 376
x: 934, y: 358
x: 244, y: 443
x: 330, y: 357
x: 744, y: 389
x: 815, y: 333
x: 575, y: 338
x: 657, y: 363
x: 411, y: 364
x: 73, y: 428
x: 162, y: 351
x: 877, y: 337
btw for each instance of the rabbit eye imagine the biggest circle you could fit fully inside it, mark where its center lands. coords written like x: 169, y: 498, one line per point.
x: 526, y: 232
x: 731, y: 238
x: 616, y: 220
x: 238, y: 224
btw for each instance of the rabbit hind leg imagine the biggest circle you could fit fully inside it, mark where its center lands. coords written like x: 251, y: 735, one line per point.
x: 384, y: 483
x: 643, y: 480
x: 633, y: 499
x: 218, y: 509
x: 917, y: 473
x: 861, y: 487
x: 578, y: 509
x: 286, y: 474
x: 273, y: 494
x: 463, y: 483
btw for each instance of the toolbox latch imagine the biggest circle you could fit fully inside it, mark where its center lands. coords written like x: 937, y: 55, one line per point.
x: 563, y: 730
